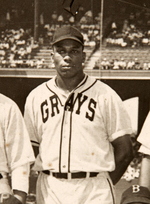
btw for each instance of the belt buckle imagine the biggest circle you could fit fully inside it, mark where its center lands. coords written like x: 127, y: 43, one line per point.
x: 69, y: 176
x: 87, y: 174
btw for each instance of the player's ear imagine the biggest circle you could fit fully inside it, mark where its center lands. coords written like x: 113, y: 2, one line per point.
x: 52, y: 56
x: 83, y: 59
x: 52, y: 53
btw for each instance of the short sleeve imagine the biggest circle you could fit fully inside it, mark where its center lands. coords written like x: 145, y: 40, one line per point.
x: 144, y: 136
x: 118, y: 122
x: 29, y: 118
x: 18, y: 146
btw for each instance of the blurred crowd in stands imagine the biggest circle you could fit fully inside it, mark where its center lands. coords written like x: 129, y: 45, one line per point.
x: 89, y: 27
x: 121, y: 64
x: 134, y: 30
x: 17, y: 46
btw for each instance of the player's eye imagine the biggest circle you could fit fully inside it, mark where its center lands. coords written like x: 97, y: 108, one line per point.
x: 61, y: 51
x: 74, y: 51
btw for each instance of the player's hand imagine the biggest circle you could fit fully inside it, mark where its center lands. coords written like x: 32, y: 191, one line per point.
x: 6, y: 198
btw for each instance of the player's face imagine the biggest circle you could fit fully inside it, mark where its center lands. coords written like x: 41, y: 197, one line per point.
x: 68, y: 57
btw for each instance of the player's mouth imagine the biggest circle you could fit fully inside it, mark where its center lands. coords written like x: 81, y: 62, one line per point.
x: 66, y: 67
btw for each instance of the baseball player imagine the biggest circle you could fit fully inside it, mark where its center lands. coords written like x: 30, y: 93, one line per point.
x: 16, y: 153
x: 144, y: 179
x: 136, y: 195
x: 144, y: 139
x: 81, y: 129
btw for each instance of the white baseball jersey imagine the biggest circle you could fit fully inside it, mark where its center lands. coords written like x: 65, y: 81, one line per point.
x: 144, y: 136
x: 75, y: 129
x: 15, y: 147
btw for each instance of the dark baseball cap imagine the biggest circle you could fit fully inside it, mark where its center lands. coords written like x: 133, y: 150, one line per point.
x: 137, y: 194
x: 67, y: 32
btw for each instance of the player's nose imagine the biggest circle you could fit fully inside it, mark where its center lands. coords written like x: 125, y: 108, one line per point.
x: 67, y: 58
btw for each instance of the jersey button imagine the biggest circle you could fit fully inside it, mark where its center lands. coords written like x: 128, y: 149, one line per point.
x: 64, y: 166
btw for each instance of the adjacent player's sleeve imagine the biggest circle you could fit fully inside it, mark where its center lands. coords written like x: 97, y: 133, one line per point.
x: 18, y: 147
x: 29, y: 118
x: 19, y: 178
x: 144, y: 136
x: 117, y: 120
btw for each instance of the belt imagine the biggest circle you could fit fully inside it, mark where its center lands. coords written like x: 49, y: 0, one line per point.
x: 3, y: 175
x: 71, y: 175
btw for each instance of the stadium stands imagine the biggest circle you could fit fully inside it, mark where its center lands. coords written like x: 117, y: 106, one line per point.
x: 138, y: 57
x: 125, y: 46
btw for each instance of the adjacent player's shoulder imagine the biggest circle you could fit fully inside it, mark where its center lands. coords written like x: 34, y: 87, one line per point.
x: 5, y: 100
x: 7, y: 105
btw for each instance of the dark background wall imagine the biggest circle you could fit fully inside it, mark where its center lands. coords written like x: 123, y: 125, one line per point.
x: 18, y: 88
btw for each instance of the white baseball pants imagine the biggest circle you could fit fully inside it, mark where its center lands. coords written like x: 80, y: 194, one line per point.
x: 93, y: 190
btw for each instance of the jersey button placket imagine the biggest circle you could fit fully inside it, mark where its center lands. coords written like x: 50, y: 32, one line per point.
x: 65, y: 142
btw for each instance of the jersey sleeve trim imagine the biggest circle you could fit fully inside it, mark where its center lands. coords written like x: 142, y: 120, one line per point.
x: 120, y: 134
x: 34, y: 143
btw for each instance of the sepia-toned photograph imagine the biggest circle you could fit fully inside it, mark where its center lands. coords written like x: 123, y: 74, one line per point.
x: 74, y: 102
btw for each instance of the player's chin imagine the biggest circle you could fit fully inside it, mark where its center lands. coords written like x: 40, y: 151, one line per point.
x: 66, y: 70
x: 67, y: 74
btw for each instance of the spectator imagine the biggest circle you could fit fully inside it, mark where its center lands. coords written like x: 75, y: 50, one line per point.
x: 122, y: 64
x: 116, y: 64
x: 105, y: 64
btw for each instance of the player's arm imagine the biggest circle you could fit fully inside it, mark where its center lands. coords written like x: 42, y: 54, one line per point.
x: 31, y: 127
x: 20, y: 183
x: 18, y: 161
x: 123, y: 153
x: 144, y: 139
x: 144, y: 179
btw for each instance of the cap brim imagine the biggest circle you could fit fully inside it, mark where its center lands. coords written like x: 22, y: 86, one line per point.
x: 67, y: 38
x: 136, y: 199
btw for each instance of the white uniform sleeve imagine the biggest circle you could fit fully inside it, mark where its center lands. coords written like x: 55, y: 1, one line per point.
x: 118, y: 122
x: 18, y: 146
x: 144, y: 136
x: 20, y: 178
x: 144, y: 150
x: 29, y: 120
